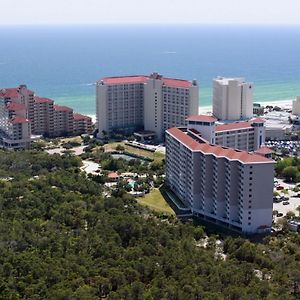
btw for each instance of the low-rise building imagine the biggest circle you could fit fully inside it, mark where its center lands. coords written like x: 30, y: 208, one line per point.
x: 244, y: 135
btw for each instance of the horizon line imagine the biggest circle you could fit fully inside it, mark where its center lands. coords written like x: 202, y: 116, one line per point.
x: 150, y: 23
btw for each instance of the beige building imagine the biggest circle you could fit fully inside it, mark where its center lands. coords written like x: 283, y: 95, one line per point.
x: 43, y: 120
x: 152, y: 103
x: 227, y: 186
x: 23, y: 114
x: 232, y: 98
x: 63, y: 121
x: 244, y: 135
x: 82, y: 124
x: 15, y: 107
x: 296, y: 106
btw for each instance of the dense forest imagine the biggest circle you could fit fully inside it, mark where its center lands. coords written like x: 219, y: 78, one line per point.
x: 61, y: 239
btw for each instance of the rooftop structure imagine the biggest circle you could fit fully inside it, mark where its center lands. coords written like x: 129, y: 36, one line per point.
x: 244, y: 135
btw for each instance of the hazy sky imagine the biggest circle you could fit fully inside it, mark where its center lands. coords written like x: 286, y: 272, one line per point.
x: 149, y: 11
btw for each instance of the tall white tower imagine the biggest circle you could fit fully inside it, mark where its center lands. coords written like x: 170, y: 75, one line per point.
x: 232, y: 99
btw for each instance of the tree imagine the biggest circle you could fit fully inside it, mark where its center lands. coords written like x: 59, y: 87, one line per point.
x: 290, y: 173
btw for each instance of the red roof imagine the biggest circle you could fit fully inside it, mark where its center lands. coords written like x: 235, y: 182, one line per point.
x: 9, y: 93
x: 264, y: 150
x: 218, y: 151
x: 173, y: 82
x: 233, y: 126
x: 43, y: 100
x: 18, y: 120
x: 258, y: 120
x: 125, y: 79
x: 15, y: 106
x: 113, y: 175
x: 79, y: 117
x: 62, y: 108
x: 238, y: 125
x: 202, y: 118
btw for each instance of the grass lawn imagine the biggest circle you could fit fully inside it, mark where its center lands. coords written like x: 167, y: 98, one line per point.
x: 75, y: 139
x: 156, y: 156
x: 156, y: 201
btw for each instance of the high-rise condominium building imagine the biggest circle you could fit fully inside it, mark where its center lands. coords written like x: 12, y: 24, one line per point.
x: 22, y: 114
x: 232, y: 98
x: 153, y: 103
x: 224, y: 185
x: 15, y: 109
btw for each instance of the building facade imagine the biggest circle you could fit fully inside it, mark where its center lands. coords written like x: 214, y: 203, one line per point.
x: 232, y: 98
x: 63, y: 121
x: 227, y: 186
x: 16, y: 105
x: 152, y: 103
x: 82, y: 124
x: 22, y: 114
x: 244, y: 135
x: 296, y: 106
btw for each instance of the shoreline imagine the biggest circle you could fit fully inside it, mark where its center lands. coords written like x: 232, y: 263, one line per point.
x: 284, y: 104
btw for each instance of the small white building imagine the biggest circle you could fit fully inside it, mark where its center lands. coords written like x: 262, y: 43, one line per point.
x: 296, y: 106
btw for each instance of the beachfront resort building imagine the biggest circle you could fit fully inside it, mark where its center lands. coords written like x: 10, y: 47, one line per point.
x: 15, y: 108
x: 232, y: 99
x: 152, y: 103
x: 244, y: 135
x: 23, y: 114
x: 227, y: 186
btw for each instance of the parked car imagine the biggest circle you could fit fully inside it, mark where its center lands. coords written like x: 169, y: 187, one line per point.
x: 286, y: 203
x: 279, y: 215
x: 279, y: 188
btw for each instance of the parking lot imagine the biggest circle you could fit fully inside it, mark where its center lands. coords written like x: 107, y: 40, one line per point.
x: 294, y: 202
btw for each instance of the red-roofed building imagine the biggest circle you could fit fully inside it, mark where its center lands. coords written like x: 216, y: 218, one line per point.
x: 224, y: 185
x: 63, y: 121
x: 43, y: 120
x: 82, y: 124
x: 16, y: 105
x: 152, y: 103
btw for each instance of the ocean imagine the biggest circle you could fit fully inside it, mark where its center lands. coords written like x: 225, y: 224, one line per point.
x: 63, y: 62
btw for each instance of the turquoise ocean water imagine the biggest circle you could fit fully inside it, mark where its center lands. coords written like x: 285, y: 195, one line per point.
x: 63, y: 62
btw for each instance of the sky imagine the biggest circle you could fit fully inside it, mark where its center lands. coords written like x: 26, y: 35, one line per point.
x: 149, y: 11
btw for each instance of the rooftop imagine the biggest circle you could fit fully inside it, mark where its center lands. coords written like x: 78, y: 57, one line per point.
x: 172, y: 82
x: 62, y: 108
x: 15, y: 106
x: 9, y: 92
x: 125, y: 79
x: 202, y: 118
x: 79, y: 117
x: 264, y: 150
x: 217, y: 151
x: 238, y: 125
x: 18, y: 120
x: 42, y: 100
